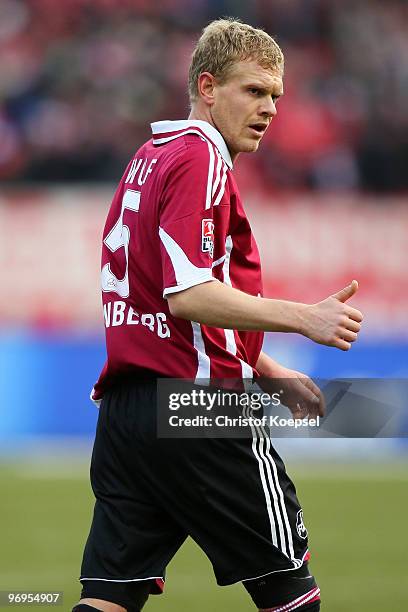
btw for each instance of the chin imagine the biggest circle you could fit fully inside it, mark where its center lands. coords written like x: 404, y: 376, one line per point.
x: 247, y: 146
x: 250, y: 147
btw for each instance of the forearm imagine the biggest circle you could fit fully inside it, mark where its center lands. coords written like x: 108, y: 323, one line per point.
x: 331, y: 322
x: 268, y: 367
x: 219, y: 305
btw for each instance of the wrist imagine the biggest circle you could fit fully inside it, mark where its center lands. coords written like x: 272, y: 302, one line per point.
x: 302, y: 317
x: 269, y: 368
x: 297, y: 316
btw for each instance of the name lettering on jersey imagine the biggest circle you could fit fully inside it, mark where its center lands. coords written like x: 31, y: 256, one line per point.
x: 141, y: 169
x: 207, y: 236
x: 119, y: 313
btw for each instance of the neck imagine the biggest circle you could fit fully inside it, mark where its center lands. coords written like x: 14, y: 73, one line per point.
x: 200, y: 113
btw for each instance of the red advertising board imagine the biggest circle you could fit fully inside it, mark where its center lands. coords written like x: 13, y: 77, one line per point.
x: 311, y: 245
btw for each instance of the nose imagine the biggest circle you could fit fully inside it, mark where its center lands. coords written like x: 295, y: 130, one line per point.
x: 268, y: 108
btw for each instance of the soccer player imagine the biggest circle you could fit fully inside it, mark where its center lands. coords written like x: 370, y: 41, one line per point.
x: 182, y: 297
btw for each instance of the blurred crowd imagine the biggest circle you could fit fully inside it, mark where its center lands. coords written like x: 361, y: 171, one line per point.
x: 80, y: 80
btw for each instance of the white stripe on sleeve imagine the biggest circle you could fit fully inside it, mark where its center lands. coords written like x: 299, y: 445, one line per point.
x: 210, y: 177
x: 186, y: 273
x: 217, y: 173
x: 222, y: 186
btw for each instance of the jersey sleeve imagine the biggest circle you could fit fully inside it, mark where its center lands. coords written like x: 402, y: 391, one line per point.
x: 186, y: 227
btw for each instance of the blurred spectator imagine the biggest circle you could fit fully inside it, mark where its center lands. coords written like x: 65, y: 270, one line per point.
x: 80, y: 81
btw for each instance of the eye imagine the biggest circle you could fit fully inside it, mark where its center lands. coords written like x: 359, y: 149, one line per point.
x: 254, y: 90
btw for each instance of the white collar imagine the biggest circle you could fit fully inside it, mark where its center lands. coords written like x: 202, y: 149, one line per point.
x: 168, y: 130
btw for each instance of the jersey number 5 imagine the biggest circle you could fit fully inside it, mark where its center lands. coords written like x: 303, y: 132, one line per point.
x: 119, y: 237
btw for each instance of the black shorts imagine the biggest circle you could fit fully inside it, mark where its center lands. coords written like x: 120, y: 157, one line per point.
x: 232, y: 496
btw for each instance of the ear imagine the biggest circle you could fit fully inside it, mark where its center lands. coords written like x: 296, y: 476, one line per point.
x: 206, y: 88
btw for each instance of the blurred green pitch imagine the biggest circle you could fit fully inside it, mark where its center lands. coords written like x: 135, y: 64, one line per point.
x: 356, y: 515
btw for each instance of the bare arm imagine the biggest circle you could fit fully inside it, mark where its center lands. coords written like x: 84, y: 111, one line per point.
x: 297, y: 391
x: 219, y: 305
x: 330, y: 322
x: 267, y: 366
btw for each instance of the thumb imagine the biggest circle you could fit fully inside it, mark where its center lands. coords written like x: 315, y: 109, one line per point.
x: 345, y: 294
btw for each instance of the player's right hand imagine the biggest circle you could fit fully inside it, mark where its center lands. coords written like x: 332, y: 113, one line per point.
x: 333, y: 322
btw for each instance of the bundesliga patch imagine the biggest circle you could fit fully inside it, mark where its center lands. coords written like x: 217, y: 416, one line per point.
x: 207, y: 236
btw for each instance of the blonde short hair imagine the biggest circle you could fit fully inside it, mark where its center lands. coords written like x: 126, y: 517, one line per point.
x: 227, y: 41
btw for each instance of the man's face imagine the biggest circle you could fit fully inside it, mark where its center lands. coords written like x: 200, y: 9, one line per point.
x: 244, y: 105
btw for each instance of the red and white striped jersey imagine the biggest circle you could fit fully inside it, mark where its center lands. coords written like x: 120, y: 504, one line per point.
x: 176, y: 221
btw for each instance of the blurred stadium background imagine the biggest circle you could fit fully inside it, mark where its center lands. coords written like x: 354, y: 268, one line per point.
x: 326, y: 194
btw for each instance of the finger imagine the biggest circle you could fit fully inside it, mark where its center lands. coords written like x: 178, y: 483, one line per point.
x: 310, y: 384
x: 300, y: 401
x: 353, y: 325
x: 311, y: 410
x: 341, y: 344
x: 345, y: 294
x: 355, y: 315
x: 348, y: 335
x: 320, y: 408
x: 322, y: 405
x: 299, y: 413
x: 312, y: 397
